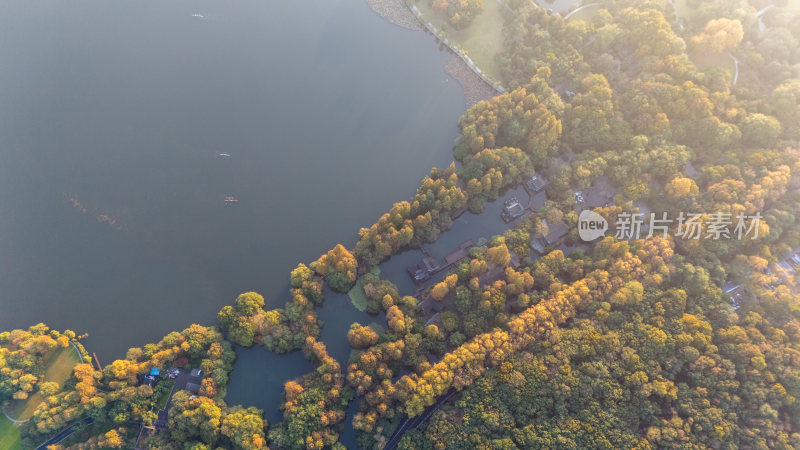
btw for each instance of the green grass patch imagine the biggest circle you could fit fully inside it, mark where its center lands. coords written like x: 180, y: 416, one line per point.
x: 59, y: 363
x: 165, y: 388
x: 357, y: 296
x: 9, y: 435
x: 482, y: 39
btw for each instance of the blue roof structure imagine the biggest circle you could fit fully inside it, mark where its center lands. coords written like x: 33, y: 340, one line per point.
x: 154, y: 371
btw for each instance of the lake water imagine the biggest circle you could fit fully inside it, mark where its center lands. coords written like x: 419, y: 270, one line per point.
x: 258, y: 375
x: 258, y: 378
x: 112, y: 119
x: 468, y: 227
x: 337, y: 314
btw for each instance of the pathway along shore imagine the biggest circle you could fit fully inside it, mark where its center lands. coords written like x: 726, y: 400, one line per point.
x: 473, y: 87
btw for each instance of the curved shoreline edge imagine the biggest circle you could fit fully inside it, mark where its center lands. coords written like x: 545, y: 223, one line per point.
x: 474, y: 88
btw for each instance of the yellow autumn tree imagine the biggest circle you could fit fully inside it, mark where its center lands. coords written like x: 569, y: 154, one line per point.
x: 681, y: 187
x: 719, y: 36
x: 339, y: 267
x: 498, y: 255
x: 442, y: 288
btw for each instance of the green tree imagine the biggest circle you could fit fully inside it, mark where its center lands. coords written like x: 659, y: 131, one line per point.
x: 244, y: 428
x: 759, y: 130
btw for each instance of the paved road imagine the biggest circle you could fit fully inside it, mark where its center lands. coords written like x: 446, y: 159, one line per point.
x: 180, y: 383
x: 410, y: 423
x: 65, y: 433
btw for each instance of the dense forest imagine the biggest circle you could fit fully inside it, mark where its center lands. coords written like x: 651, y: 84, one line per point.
x: 618, y: 344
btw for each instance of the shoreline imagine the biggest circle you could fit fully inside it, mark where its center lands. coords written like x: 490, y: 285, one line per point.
x: 396, y: 12
x: 473, y: 88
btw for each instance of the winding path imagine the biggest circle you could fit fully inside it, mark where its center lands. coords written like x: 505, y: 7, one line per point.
x: 675, y: 10
x: 736, y: 67
x: 15, y: 420
x: 77, y: 350
x: 759, y: 14
x: 65, y: 433
x: 456, y: 50
x: 763, y: 10
x: 580, y: 8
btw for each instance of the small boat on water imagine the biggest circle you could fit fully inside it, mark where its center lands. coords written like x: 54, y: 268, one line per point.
x: 200, y: 16
x: 225, y: 155
x: 229, y: 200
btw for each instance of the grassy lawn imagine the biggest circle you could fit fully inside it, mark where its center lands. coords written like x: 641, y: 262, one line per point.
x: 357, y: 297
x: 59, y: 368
x: 356, y: 294
x: 161, y: 402
x: 482, y: 39
x: 9, y: 435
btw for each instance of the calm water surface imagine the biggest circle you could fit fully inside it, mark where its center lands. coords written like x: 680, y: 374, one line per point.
x: 258, y: 378
x: 259, y: 375
x: 468, y: 227
x: 112, y: 117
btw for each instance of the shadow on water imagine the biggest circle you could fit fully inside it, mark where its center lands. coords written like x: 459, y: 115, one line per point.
x: 258, y: 376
